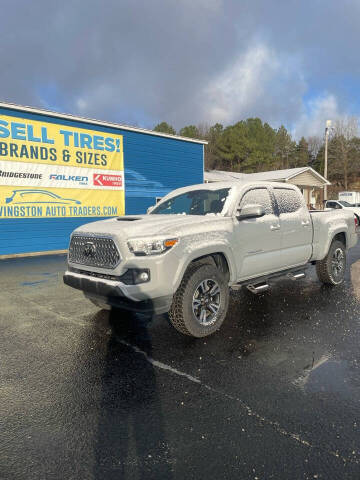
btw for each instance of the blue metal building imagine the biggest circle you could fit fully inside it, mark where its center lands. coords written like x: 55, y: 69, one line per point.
x: 154, y: 164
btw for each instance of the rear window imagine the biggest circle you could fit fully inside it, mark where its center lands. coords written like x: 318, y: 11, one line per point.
x: 288, y: 200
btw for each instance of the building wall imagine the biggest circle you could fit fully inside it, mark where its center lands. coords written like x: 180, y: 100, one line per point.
x: 153, y: 166
x: 306, y: 179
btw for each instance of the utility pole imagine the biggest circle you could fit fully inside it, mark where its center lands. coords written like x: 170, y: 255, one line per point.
x: 327, y: 131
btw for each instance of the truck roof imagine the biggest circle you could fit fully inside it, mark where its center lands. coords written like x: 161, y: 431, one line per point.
x: 233, y: 184
x: 238, y: 184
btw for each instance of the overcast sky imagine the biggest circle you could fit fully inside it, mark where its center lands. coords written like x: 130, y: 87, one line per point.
x: 291, y: 62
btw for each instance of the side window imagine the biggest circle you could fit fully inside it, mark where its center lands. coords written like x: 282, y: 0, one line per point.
x: 179, y: 204
x: 288, y: 200
x: 257, y: 196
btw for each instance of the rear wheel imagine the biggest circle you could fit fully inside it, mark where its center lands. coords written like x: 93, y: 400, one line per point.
x: 200, y: 303
x: 331, y: 269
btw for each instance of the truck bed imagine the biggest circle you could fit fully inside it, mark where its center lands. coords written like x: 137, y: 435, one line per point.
x: 326, y: 224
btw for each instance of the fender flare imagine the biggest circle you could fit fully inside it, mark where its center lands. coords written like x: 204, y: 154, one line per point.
x: 222, y: 249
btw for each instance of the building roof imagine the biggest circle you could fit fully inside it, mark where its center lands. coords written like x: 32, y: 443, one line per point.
x: 40, y: 111
x: 271, y: 176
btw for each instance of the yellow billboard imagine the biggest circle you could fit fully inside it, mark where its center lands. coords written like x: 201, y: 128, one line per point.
x: 59, y: 202
x: 53, y: 170
x: 24, y: 140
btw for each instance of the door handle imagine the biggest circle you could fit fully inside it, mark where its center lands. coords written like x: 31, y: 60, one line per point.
x: 305, y: 223
x: 275, y: 227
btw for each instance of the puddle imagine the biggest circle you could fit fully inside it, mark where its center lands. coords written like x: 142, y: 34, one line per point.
x: 330, y: 377
x: 48, y: 276
x: 326, y: 376
x: 27, y: 284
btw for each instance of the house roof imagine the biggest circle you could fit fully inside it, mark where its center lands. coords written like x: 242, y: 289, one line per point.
x: 271, y: 176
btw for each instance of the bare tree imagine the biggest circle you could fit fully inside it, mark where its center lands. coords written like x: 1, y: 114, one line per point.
x: 203, y: 129
x: 342, y: 146
x: 314, y: 143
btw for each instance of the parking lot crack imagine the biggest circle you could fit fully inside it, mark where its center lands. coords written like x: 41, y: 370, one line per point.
x: 246, y: 408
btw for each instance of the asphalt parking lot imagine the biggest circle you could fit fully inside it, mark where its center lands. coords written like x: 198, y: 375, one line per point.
x: 90, y: 394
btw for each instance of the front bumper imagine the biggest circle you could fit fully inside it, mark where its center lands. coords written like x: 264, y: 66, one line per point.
x: 117, y: 294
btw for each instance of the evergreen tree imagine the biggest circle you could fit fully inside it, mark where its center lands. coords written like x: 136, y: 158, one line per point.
x: 284, y: 148
x: 212, y: 135
x: 190, y: 131
x: 301, y: 157
x: 164, y: 127
x: 247, y: 146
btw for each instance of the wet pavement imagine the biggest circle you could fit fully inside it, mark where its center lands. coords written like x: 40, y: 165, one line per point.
x: 89, y: 394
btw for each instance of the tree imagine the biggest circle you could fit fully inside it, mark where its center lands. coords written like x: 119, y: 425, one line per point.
x: 247, y: 146
x: 284, y: 148
x: 164, y: 127
x: 314, y: 144
x: 212, y: 135
x: 190, y: 131
x: 301, y: 155
x: 343, y: 151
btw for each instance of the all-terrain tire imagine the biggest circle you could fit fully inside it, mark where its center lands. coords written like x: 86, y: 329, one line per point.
x: 331, y: 270
x: 181, y: 313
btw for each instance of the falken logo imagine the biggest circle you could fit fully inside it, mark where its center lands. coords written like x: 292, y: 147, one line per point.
x: 70, y: 178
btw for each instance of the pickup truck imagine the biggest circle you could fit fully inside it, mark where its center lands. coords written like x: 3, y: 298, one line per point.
x: 184, y: 254
x: 343, y: 205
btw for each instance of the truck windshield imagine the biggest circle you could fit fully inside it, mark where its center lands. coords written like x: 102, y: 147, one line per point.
x: 345, y: 204
x: 195, y: 202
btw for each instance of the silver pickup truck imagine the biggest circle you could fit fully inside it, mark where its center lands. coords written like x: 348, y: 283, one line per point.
x: 184, y: 254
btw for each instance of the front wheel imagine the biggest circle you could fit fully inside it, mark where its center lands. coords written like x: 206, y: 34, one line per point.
x: 201, y: 302
x: 331, y: 269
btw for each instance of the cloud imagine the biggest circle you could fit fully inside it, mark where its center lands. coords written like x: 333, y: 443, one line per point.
x: 254, y: 85
x: 313, y: 120
x: 183, y: 61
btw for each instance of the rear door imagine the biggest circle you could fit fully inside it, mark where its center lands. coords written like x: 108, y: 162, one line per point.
x: 296, y: 226
x: 258, y: 239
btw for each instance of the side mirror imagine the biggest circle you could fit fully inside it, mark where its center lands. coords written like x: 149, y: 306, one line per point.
x: 250, y: 211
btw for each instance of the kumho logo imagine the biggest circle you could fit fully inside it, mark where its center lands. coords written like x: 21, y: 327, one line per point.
x: 103, y: 180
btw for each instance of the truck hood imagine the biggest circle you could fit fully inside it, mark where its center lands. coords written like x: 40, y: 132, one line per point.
x: 130, y: 226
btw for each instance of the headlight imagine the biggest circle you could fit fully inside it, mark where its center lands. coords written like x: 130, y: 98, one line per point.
x: 151, y: 246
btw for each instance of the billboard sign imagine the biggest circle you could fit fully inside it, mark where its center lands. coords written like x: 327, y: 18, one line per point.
x: 52, y: 170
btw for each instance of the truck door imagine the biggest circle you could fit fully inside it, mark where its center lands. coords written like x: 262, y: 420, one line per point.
x: 258, y: 239
x: 296, y: 227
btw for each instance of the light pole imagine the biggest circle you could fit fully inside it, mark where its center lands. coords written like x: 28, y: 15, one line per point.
x: 327, y: 131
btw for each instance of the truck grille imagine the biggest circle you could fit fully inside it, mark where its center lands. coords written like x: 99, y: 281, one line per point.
x: 93, y: 251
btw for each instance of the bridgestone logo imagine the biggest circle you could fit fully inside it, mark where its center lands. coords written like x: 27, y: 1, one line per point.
x: 37, y: 176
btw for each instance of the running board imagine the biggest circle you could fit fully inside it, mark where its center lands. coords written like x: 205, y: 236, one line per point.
x: 264, y: 286
x: 259, y: 288
x: 261, y: 284
x: 296, y: 275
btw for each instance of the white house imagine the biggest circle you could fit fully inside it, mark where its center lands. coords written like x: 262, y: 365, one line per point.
x: 310, y: 182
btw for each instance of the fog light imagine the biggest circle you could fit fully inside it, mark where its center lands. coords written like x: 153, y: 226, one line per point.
x: 143, y: 277
x: 134, y: 276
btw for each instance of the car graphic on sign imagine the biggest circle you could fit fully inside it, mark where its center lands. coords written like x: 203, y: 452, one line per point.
x: 138, y: 185
x: 39, y: 196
